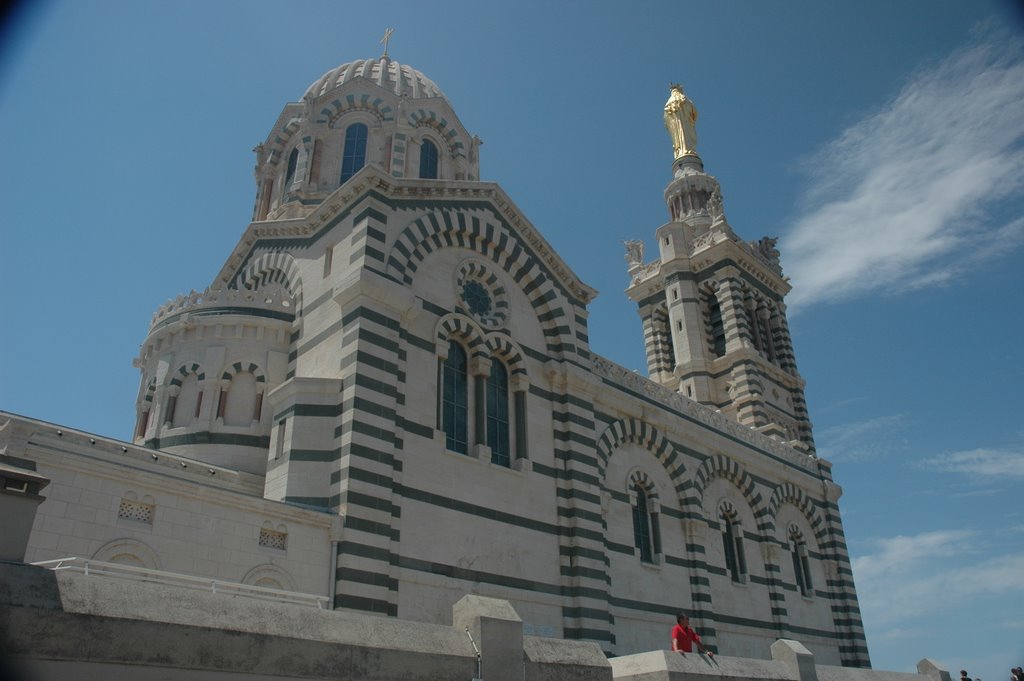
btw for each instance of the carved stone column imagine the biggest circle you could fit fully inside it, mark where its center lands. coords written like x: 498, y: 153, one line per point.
x: 520, y: 385
x: 479, y: 369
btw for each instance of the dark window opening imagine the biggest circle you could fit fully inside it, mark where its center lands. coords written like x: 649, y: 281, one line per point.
x: 642, y: 534
x: 455, y: 412
x: 497, y: 414
x: 293, y: 159
x: 428, y: 160
x: 735, y: 558
x: 354, y: 156
x: 802, y: 568
x: 717, y: 327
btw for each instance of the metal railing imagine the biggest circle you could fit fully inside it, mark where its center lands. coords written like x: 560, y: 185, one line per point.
x: 89, y: 567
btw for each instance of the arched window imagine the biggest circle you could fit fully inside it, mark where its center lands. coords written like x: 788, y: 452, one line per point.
x: 732, y: 542
x: 142, y: 425
x: 801, y: 564
x: 767, y: 337
x: 428, y: 160
x: 455, y: 405
x: 482, y: 401
x: 185, y: 406
x: 716, y: 328
x: 293, y: 159
x: 240, y: 400
x: 670, y: 347
x: 354, y: 157
x: 646, y: 534
x: 664, y: 347
x: 497, y: 414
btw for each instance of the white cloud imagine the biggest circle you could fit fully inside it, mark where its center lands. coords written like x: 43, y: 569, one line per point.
x: 901, y: 199
x: 974, y: 493
x: 910, y: 576
x: 899, y: 634
x: 902, y: 554
x: 861, y: 440
x: 1000, y: 463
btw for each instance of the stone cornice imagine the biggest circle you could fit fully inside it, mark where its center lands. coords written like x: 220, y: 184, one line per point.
x: 710, y: 254
x: 773, y: 371
x: 372, y: 178
x: 670, y: 398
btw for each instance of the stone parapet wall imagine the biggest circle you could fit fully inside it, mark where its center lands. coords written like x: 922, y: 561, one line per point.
x: 272, y: 298
x: 791, y: 661
x: 58, y: 625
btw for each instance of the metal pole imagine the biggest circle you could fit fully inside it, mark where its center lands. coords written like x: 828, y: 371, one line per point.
x: 479, y: 662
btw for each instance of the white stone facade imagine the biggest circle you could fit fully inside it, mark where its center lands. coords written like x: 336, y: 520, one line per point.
x: 394, y: 371
x: 116, y: 502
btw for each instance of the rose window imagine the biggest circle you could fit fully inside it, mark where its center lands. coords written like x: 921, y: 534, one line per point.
x: 480, y: 294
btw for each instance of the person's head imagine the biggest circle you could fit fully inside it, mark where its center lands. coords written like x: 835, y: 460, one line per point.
x: 682, y: 619
x: 963, y: 672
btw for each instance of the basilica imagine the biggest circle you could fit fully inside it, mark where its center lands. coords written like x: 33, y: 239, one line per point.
x: 386, y: 398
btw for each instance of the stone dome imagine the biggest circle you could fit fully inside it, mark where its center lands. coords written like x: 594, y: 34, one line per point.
x: 387, y: 73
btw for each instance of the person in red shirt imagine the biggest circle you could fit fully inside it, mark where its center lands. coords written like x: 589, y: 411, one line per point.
x: 683, y: 637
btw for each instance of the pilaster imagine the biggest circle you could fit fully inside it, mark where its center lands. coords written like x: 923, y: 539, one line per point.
x: 370, y: 433
x: 771, y: 553
x: 303, y: 454
x: 370, y: 440
x: 853, y: 649
x: 695, y: 531
x: 584, y: 561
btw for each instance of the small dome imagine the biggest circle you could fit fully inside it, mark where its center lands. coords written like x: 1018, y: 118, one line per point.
x: 398, y: 78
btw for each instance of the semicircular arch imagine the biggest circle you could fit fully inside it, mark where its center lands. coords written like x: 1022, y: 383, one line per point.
x: 788, y: 493
x: 128, y: 551
x: 374, y: 105
x: 282, y: 139
x: 269, y: 576
x: 238, y: 367
x: 444, y: 130
x: 647, y: 436
x: 272, y: 268
x: 500, y: 345
x: 184, y: 371
x: 456, y: 229
x: 727, y: 468
x: 456, y: 326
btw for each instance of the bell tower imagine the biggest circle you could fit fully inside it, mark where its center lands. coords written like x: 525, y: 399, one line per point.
x: 712, y: 305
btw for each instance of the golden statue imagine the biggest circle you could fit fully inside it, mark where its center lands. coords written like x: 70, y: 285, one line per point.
x: 681, y: 121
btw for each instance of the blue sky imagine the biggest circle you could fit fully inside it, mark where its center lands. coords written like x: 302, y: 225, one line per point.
x: 881, y: 141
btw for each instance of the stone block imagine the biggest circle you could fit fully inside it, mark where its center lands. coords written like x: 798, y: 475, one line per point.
x: 497, y: 630
x: 933, y: 670
x: 797, y: 658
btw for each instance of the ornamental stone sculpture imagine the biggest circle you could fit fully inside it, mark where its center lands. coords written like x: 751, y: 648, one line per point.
x: 634, y: 253
x: 681, y: 121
